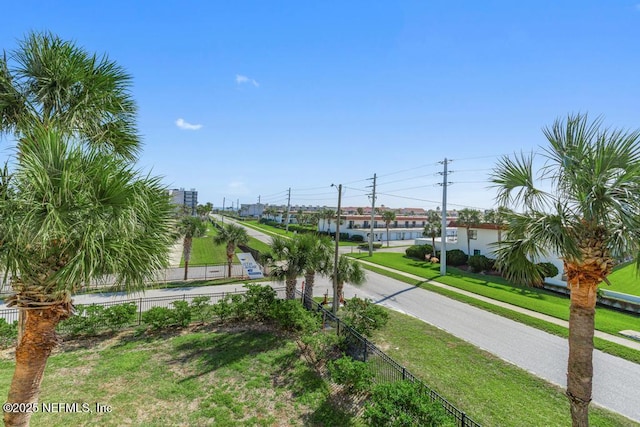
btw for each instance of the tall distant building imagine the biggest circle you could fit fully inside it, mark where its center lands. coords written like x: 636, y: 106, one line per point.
x: 185, y: 198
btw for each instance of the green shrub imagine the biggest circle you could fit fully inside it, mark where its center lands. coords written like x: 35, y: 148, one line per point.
x: 181, y: 313
x: 404, y: 403
x: 357, y: 238
x: 364, y: 316
x: 88, y: 320
x: 158, y: 317
x: 292, y: 316
x: 238, y: 307
x: 479, y: 263
x: 456, y: 257
x: 321, y: 344
x: 8, y: 333
x: 120, y: 316
x: 356, y: 376
x: 366, y: 246
x: 548, y: 269
x: 201, y: 309
x: 223, y: 309
x: 418, y: 251
x: 258, y: 301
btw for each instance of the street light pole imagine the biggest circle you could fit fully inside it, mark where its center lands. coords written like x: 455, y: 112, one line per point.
x: 336, y: 297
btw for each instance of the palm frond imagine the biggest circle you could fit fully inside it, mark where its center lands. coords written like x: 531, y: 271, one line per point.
x: 514, y: 180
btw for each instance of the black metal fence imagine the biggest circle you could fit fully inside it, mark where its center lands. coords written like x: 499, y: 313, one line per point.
x: 385, y: 369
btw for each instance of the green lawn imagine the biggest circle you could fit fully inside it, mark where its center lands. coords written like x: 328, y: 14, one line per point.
x: 489, y: 390
x: 607, y: 320
x: 255, y: 377
x: 624, y: 279
x: 204, y: 252
x: 221, y: 378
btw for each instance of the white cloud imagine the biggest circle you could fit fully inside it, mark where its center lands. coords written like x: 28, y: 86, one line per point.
x: 240, y: 79
x: 186, y: 125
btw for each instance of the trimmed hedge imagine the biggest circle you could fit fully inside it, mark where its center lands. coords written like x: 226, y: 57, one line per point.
x: 419, y: 251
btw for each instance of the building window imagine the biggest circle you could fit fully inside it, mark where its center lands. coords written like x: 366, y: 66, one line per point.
x: 473, y: 234
x: 476, y: 252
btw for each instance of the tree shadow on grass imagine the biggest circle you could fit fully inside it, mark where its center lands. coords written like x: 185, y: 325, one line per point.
x: 295, y: 375
x: 216, y: 350
x: 338, y: 409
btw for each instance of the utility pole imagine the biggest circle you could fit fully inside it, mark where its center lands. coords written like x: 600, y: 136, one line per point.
x: 223, y: 200
x: 238, y: 206
x: 373, y: 210
x: 443, y: 232
x: 288, y: 208
x: 336, y: 297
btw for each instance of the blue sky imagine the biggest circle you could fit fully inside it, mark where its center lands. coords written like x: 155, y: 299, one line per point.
x: 241, y: 99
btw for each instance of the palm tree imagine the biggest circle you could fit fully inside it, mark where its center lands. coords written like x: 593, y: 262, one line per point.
x: 348, y: 271
x: 387, y: 217
x: 72, y: 214
x: 190, y: 227
x: 590, y: 218
x: 433, y: 228
x: 287, y: 264
x: 315, y: 256
x: 469, y: 218
x: 57, y: 84
x: 498, y: 217
x: 231, y: 235
x: 328, y: 215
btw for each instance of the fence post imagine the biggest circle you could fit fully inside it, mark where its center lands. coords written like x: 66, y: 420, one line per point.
x: 139, y: 311
x: 464, y: 419
x: 404, y: 373
x: 337, y: 326
x: 366, y: 348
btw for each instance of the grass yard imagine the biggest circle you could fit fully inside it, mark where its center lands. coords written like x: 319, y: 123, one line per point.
x: 489, y: 390
x: 624, y: 279
x: 272, y: 231
x: 209, y: 377
x: 204, y: 252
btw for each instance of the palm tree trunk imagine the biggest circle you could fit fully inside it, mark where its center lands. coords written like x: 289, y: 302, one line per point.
x: 32, y: 352
x: 186, y: 252
x: 309, y: 281
x: 291, y: 288
x: 230, y: 250
x: 580, y: 368
x: 340, y: 288
x: 387, y: 235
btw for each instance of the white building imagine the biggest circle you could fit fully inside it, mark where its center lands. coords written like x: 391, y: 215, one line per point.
x: 405, y: 227
x: 187, y: 199
x: 482, y: 241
